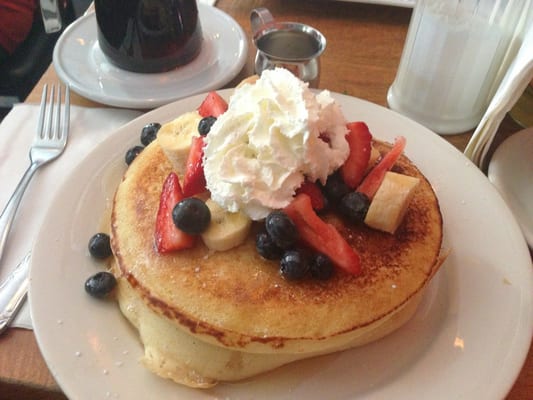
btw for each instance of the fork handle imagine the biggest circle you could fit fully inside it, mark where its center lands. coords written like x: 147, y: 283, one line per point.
x: 8, y: 215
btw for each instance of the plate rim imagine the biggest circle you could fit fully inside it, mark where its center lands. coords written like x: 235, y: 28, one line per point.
x: 520, y: 348
x: 494, y: 174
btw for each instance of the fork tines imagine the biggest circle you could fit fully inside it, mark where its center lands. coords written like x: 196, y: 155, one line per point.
x: 50, y: 114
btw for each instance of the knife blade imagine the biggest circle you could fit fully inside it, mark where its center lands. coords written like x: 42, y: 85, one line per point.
x: 13, y: 292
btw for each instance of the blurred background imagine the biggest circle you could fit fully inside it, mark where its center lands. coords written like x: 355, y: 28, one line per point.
x: 21, y: 69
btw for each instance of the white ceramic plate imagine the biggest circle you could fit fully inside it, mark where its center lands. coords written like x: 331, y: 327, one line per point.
x: 468, y: 340
x: 398, y: 3
x: 511, y: 171
x: 79, y: 62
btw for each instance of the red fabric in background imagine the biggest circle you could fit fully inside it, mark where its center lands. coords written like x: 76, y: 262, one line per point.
x: 16, y: 18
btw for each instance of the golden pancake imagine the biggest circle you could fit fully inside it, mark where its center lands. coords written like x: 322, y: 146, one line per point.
x: 192, y: 304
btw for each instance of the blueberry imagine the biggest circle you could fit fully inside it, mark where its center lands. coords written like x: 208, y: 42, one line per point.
x: 354, y: 206
x: 191, y: 215
x: 293, y: 265
x: 149, y: 133
x: 321, y: 267
x: 266, y: 247
x: 100, y: 246
x: 132, y: 153
x: 100, y: 284
x: 335, y: 188
x: 281, y: 229
x: 205, y: 124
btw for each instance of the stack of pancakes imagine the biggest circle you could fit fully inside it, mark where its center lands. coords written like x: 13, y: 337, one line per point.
x: 205, y: 317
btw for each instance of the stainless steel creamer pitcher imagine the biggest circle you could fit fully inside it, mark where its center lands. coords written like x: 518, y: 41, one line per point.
x: 290, y: 45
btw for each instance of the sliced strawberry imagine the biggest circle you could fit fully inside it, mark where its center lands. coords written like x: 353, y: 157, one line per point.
x: 373, y: 180
x: 194, y: 179
x: 167, y: 237
x: 315, y: 194
x: 213, y: 105
x: 360, y: 141
x: 321, y: 236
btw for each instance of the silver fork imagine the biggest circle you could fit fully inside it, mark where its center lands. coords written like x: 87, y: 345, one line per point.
x: 48, y: 144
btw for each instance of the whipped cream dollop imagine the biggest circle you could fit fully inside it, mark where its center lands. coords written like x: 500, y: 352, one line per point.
x: 275, y: 133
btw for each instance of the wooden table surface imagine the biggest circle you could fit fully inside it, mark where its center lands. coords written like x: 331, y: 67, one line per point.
x: 364, y: 46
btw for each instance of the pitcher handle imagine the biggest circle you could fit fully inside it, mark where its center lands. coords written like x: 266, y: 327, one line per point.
x: 259, y: 18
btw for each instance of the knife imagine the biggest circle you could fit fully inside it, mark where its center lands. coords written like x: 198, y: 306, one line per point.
x: 13, y: 292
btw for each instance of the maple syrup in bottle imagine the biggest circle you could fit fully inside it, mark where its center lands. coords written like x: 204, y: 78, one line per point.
x: 148, y: 36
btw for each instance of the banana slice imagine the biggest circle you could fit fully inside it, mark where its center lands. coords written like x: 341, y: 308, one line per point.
x: 391, y: 202
x: 251, y: 80
x: 175, y: 137
x: 226, y: 230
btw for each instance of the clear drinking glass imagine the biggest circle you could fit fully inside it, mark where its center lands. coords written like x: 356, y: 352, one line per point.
x: 455, y: 55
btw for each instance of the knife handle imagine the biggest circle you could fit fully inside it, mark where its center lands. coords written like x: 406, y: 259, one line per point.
x: 13, y: 292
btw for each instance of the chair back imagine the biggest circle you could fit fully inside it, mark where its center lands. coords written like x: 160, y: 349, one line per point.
x: 51, y: 14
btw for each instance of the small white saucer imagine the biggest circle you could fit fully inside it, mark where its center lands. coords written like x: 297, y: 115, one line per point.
x: 79, y: 62
x: 511, y: 171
